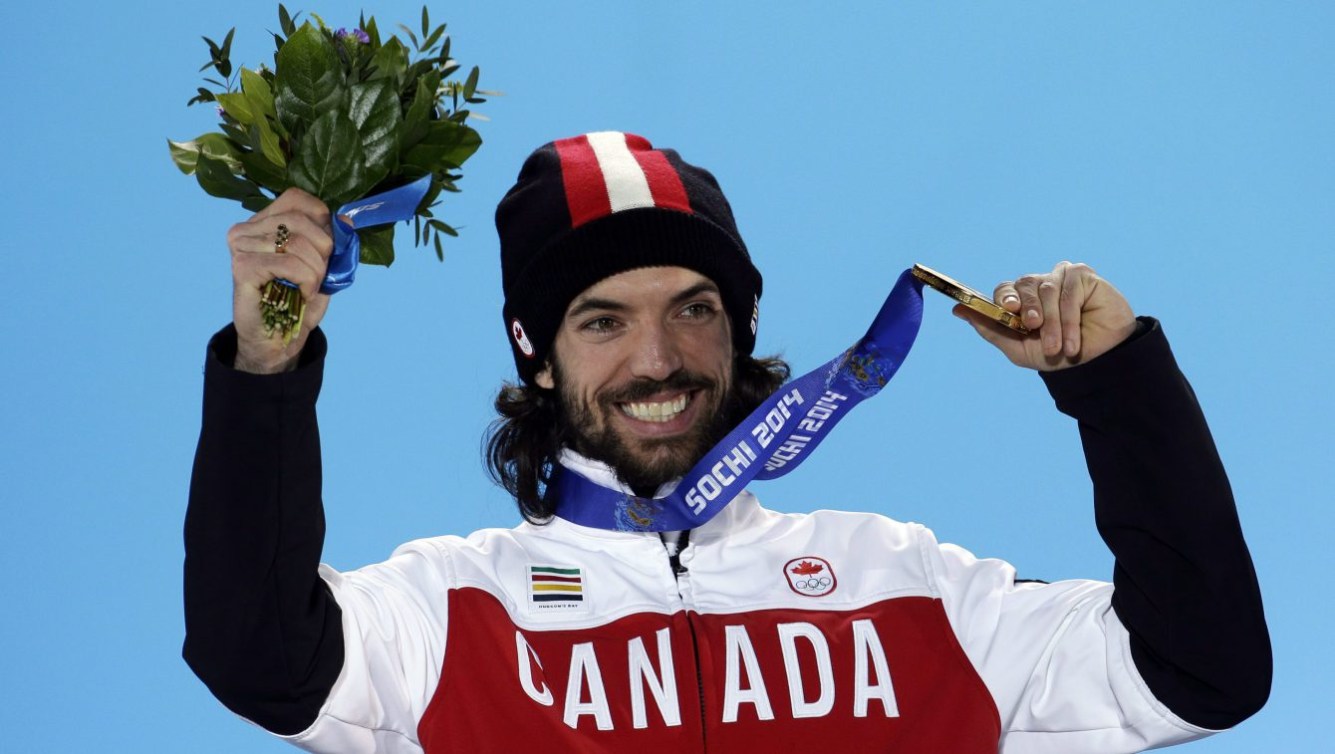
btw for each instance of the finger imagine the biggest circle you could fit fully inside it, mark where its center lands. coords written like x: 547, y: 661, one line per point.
x: 254, y: 232
x: 1073, y: 295
x: 263, y: 235
x: 1031, y: 308
x: 1008, y: 341
x: 1049, y: 296
x: 309, y: 245
x: 1005, y: 296
x: 303, y: 250
x: 981, y: 324
x: 299, y: 252
x: 254, y: 270
x: 295, y: 200
x: 301, y: 225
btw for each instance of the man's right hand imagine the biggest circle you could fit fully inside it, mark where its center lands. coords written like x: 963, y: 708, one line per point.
x: 255, y: 263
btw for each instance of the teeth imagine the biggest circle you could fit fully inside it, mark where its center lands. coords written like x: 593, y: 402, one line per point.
x: 655, y: 412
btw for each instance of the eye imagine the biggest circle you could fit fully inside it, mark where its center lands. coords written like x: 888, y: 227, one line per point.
x: 699, y: 310
x: 600, y: 325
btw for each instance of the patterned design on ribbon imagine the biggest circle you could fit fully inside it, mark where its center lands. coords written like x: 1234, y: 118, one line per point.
x: 637, y: 513
x: 769, y: 443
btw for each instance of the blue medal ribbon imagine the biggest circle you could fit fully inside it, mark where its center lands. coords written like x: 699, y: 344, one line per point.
x: 382, y: 209
x: 769, y: 443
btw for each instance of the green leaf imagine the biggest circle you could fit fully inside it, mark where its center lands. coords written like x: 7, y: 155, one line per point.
x: 415, y: 121
x: 285, y: 21
x: 419, y: 70
x: 470, y: 85
x: 329, y: 161
x: 375, y: 111
x: 411, y: 35
x: 215, y: 178
x: 269, y: 144
x: 447, y: 145
x: 214, y: 145
x: 256, y: 203
x: 238, y: 106
x: 431, y: 41
x: 426, y: 21
x: 268, y: 175
x: 309, y: 79
x: 377, y: 245
x: 204, y: 95
x: 258, y: 92
x: 429, y: 201
x: 391, y: 61
x: 236, y: 133
x: 220, y: 55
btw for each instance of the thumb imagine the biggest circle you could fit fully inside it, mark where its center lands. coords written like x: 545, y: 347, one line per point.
x: 986, y: 328
x: 1009, y: 342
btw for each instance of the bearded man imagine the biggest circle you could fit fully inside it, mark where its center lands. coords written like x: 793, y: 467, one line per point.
x: 631, y: 305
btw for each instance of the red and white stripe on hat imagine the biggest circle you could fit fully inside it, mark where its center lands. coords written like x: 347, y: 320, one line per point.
x: 610, y: 171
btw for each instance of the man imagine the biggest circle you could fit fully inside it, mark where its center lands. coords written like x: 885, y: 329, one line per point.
x: 630, y: 303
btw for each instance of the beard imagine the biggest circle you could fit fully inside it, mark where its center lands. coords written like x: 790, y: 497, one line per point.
x: 644, y: 464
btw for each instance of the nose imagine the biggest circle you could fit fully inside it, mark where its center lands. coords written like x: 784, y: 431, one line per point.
x: 657, y: 354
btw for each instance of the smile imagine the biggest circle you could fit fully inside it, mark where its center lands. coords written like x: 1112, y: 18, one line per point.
x: 658, y: 412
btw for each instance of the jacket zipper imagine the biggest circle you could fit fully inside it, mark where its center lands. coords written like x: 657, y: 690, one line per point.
x: 699, y: 685
x: 678, y: 570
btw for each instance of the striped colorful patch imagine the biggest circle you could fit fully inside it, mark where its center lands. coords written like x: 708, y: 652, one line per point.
x: 555, y: 584
x: 611, y: 171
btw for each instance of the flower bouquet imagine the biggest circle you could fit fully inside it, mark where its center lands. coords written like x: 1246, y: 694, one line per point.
x: 342, y: 114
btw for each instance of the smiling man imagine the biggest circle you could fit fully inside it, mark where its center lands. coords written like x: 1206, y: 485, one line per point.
x: 643, y: 360
x: 631, y: 305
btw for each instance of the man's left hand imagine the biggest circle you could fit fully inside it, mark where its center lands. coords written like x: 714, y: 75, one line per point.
x: 1073, y: 316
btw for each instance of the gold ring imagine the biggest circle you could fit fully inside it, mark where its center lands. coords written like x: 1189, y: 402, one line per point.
x: 280, y: 239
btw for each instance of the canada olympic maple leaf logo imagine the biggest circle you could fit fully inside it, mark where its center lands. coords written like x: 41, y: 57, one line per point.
x: 810, y: 576
x: 807, y: 568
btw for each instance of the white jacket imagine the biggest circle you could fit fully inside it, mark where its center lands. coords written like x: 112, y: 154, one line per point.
x: 827, y: 631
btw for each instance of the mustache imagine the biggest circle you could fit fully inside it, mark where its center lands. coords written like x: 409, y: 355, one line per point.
x: 646, y: 388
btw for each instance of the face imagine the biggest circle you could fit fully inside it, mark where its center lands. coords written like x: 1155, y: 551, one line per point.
x: 643, y: 364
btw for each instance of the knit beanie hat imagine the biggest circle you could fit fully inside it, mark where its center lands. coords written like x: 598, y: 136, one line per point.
x: 592, y: 206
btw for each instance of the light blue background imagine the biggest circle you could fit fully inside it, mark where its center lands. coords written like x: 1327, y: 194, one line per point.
x: 1183, y: 149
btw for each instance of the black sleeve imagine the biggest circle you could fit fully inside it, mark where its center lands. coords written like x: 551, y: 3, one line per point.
x: 262, y: 630
x: 1184, y: 583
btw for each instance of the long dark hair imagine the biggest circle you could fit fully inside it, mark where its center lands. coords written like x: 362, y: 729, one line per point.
x: 522, y: 445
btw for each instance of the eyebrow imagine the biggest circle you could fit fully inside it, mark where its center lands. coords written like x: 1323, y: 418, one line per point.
x: 586, y: 305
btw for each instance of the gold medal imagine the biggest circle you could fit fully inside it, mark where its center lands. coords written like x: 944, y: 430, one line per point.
x: 969, y: 297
